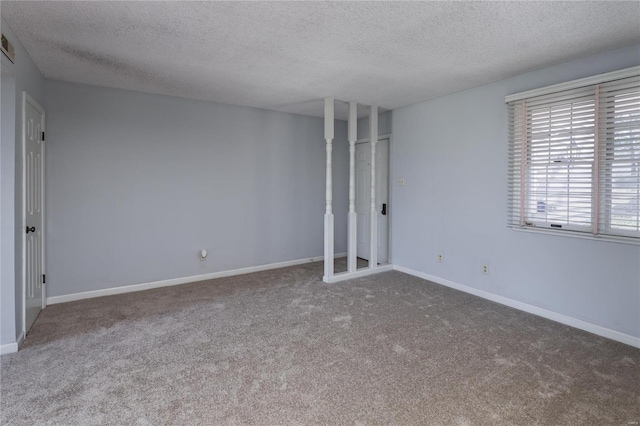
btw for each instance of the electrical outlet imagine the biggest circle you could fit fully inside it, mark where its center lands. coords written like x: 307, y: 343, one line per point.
x: 485, y: 269
x: 440, y: 258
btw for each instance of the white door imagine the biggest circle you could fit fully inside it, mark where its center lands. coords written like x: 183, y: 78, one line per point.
x: 363, y: 198
x: 33, y: 202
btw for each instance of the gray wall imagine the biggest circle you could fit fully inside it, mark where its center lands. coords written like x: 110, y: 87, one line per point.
x: 137, y: 184
x: 452, y: 151
x: 27, y: 77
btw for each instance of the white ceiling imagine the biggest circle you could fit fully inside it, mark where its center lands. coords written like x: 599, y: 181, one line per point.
x: 287, y: 56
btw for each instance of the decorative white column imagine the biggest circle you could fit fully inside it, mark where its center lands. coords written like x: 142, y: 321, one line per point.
x: 328, y: 215
x: 373, y: 214
x: 352, y: 241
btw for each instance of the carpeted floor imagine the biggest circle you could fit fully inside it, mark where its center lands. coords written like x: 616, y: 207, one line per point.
x: 281, y: 347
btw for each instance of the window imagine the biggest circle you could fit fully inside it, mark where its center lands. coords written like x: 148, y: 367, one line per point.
x: 574, y: 157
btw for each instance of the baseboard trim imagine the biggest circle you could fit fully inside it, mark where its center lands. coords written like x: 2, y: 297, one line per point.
x: 535, y: 310
x: 9, y: 348
x: 177, y: 281
x: 357, y: 274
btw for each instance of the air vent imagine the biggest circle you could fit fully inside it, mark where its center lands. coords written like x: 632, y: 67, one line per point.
x: 7, y: 49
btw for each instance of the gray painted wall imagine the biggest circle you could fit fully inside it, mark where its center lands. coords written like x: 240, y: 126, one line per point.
x: 452, y: 152
x: 137, y: 184
x: 26, y: 77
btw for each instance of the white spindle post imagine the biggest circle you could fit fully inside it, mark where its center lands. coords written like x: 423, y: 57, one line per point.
x: 328, y: 215
x: 373, y: 216
x: 352, y: 242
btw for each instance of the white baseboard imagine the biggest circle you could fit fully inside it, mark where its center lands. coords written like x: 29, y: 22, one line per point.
x: 9, y: 348
x: 342, y: 276
x: 554, y: 316
x: 177, y: 281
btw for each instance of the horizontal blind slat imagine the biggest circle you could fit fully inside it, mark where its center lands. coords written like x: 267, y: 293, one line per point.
x: 619, y: 179
x: 551, y: 158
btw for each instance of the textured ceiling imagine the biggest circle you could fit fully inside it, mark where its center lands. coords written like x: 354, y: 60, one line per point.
x: 287, y: 56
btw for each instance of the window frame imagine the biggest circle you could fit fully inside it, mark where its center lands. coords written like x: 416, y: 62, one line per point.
x: 518, y: 198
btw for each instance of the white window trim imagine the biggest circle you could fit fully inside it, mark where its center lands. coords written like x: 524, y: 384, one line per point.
x: 575, y: 234
x: 575, y: 84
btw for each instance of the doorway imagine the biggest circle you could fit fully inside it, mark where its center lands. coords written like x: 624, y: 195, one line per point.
x: 363, y: 198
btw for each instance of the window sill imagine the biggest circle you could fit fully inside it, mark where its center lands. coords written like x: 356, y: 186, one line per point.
x: 574, y: 234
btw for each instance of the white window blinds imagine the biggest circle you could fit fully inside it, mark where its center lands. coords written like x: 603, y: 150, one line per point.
x: 574, y: 159
x: 619, y: 174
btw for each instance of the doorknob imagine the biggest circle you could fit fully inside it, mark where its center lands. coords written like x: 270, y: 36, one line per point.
x: 32, y: 229
x: 384, y: 208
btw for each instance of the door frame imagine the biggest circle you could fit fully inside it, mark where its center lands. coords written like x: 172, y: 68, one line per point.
x: 389, y: 138
x: 26, y: 98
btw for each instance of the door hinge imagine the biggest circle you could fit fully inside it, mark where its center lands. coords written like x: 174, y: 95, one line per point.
x: 43, y: 136
x: 44, y: 279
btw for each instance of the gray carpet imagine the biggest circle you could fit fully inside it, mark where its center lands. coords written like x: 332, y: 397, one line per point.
x: 281, y: 347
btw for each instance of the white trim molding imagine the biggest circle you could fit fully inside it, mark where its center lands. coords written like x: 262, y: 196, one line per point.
x: 574, y: 84
x: 535, y: 310
x: 363, y: 272
x: 9, y: 348
x: 574, y: 234
x: 380, y: 138
x: 177, y: 281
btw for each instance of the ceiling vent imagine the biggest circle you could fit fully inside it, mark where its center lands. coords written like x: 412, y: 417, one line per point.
x: 7, y: 49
